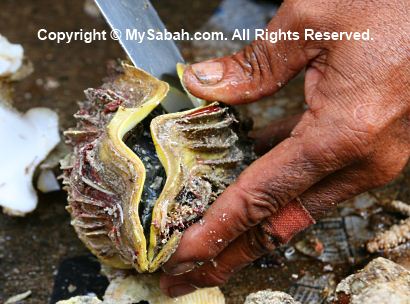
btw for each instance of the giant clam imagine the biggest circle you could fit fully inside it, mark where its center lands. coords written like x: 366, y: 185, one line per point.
x: 137, y: 176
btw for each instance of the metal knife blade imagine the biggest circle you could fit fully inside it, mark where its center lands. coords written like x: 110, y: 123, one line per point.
x: 158, y: 58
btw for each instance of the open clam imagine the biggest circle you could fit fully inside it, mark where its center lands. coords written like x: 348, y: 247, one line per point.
x: 138, y: 177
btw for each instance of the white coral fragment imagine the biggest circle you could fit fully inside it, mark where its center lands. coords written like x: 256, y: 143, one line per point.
x: 47, y: 181
x: 27, y: 139
x: 11, y: 57
x: 145, y: 287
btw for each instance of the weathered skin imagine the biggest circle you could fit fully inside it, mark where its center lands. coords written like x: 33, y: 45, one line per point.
x: 354, y: 136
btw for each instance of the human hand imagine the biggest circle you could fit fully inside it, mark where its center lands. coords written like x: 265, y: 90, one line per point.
x: 354, y: 136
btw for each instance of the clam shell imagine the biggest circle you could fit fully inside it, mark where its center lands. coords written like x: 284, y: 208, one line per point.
x: 137, y: 178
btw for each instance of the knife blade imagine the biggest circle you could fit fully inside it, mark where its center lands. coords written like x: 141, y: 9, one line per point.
x: 157, y: 57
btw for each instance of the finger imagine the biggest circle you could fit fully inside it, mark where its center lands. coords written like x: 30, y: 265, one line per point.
x: 378, y: 170
x: 250, y: 246
x: 266, y: 138
x: 244, y: 250
x: 260, y: 69
x: 269, y: 183
x: 384, y: 161
x: 319, y: 199
x: 343, y: 185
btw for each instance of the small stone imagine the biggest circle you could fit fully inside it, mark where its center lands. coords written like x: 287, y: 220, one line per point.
x: 51, y: 83
x: 270, y: 297
x: 328, y: 268
x: 310, y: 246
x: 91, y: 9
x: 71, y: 288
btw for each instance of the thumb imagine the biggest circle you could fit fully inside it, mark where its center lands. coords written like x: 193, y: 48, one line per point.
x: 260, y: 69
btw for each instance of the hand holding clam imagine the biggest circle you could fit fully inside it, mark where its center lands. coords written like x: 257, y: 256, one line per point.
x: 354, y: 136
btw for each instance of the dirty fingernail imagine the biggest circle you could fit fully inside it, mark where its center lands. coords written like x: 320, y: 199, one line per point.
x: 209, y: 73
x: 180, y: 290
x: 181, y: 268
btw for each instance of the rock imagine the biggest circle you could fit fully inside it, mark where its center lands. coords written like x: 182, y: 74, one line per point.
x: 270, y: 297
x: 381, y: 281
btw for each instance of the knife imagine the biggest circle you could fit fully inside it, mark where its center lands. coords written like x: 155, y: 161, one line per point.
x: 157, y: 57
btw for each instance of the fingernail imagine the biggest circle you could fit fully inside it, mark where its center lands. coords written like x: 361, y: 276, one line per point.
x: 180, y: 290
x: 209, y: 73
x: 180, y: 268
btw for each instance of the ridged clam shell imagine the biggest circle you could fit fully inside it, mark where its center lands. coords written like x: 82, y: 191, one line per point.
x: 137, y: 178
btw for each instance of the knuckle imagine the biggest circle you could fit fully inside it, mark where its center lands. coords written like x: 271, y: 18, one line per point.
x: 258, y: 203
x: 253, y: 67
x: 256, y: 61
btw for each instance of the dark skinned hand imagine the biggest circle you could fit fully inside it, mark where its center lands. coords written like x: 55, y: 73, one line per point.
x: 354, y: 136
